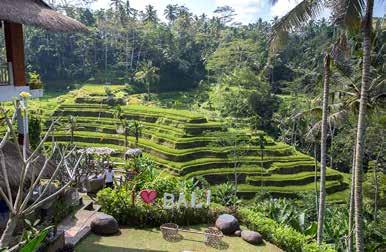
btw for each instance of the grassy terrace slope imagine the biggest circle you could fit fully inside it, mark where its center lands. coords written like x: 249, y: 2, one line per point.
x: 186, y: 144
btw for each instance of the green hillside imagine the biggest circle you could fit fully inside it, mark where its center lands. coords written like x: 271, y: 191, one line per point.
x: 186, y: 144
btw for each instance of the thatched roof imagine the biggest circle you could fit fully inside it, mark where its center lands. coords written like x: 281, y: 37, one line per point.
x: 38, y: 13
x: 13, y: 163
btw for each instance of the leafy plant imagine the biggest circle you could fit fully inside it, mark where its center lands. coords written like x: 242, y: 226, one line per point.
x: 34, y: 80
x: 32, y: 237
x: 34, y: 129
x: 224, y: 194
x: 136, y: 128
x: 72, y: 126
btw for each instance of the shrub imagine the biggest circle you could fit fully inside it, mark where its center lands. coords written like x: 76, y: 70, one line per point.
x: 118, y: 204
x: 162, y: 183
x: 225, y: 195
x: 283, y: 236
x: 34, y: 130
x: 34, y: 80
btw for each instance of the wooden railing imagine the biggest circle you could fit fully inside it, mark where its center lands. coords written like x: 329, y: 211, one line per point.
x: 4, y: 75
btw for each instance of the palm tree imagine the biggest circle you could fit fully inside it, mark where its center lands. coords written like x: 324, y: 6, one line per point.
x: 116, y: 4
x: 183, y: 11
x: 323, y: 148
x: 136, y: 128
x: 361, y: 128
x: 347, y: 14
x: 150, y: 14
x: 123, y: 126
x: 148, y: 75
x: 321, y: 126
x: 72, y: 126
x: 345, y: 105
x: 128, y: 9
x: 351, y: 103
x: 170, y: 12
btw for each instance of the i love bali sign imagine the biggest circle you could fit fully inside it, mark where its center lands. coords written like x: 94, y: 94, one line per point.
x: 170, y: 201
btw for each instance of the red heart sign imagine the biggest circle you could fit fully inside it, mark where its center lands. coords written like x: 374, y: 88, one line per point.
x: 148, y: 196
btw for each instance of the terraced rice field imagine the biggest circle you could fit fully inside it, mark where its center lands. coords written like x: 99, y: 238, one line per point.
x: 186, y: 144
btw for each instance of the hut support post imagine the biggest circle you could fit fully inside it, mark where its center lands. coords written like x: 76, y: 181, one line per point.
x: 14, y: 44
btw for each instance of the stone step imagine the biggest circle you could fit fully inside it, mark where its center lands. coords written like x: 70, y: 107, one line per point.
x: 78, y: 226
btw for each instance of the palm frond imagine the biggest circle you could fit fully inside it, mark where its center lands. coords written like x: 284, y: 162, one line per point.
x: 295, y: 18
x: 336, y: 106
x: 347, y: 93
x: 347, y: 13
x: 378, y: 83
x: 338, y: 119
x: 317, y: 111
x: 314, y: 130
x: 340, y: 52
x: 381, y: 96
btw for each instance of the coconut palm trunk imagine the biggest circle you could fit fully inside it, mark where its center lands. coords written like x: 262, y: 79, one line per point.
x: 316, y: 178
x: 351, y: 209
x: 323, y: 149
x: 361, y: 128
x: 376, y: 180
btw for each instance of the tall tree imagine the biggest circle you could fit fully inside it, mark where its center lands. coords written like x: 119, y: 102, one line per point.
x: 323, y: 148
x: 347, y: 14
x: 150, y: 14
x: 226, y: 14
x: 129, y: 10
x: 148, y: 75
x: 361, y: 128
x: 116, y: 4
x: 170, y: 12
x: 183, y: 11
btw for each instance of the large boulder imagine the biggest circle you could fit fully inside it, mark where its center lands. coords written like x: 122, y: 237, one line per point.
x: 104, y: 224
x: 251, y: 237
x: 94, y: 184
x: 227, y: 223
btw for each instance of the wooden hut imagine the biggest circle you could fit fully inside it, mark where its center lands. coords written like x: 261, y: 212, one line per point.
x: 13, y: 15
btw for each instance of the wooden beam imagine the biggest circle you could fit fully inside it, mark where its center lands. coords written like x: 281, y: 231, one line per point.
x: 14, y: 44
